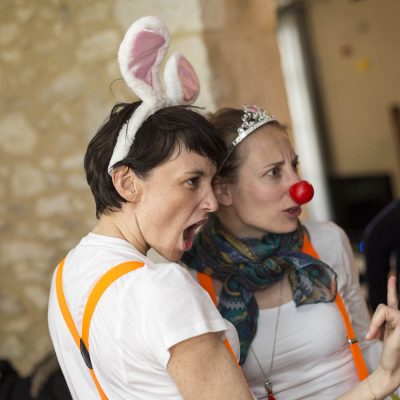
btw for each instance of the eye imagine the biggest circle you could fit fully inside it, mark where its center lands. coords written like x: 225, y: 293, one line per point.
x: 193, y: 182
x: 295, y: 164
x: 276, y: 171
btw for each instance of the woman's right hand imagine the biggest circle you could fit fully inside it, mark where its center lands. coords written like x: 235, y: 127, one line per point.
x: 387, y: 318
x: 386, y: 378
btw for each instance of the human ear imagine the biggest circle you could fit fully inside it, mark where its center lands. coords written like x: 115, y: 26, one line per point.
x: 125, y: 182
x: 222, y: 192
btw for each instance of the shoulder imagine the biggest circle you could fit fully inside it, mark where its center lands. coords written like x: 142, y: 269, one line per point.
x: 192, y: 272
x: 168, y: 273
x: 332, y: 244
x: 167, y: 283
x: 325, y: 230
x: 327, y: 237
x: 179, y: 307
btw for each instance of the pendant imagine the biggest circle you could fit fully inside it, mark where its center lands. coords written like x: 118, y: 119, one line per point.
x: 268, y: 388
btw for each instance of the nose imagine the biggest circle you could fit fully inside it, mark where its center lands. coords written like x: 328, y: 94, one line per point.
x: 292, y: 179
x: 210, y: 203
x: 301, y: 192
x: 295, y: 177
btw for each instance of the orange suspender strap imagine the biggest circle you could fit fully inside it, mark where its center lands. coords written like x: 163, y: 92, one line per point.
x: 354, y: 346
x: 207, y: 284
x: 362, y: 371
x: 104, y: 282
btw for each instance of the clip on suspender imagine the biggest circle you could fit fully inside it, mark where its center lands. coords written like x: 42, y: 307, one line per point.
x: 102, y: 284
x: 362, y: 371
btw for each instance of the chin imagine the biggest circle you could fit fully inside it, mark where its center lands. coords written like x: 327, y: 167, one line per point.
x: 288, y: 228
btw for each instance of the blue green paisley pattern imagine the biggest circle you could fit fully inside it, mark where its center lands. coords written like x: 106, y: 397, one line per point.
x: 247, y: 265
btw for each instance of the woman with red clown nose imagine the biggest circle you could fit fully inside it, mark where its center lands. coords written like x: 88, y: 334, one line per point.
x: 288, y: 287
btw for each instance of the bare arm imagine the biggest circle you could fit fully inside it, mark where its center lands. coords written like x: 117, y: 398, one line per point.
x: 202, y: 368
x: 386, y: 378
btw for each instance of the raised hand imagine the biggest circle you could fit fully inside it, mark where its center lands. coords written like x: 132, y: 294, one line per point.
x: 388, y: 318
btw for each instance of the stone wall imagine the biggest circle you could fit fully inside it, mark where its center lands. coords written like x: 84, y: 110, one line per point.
x: 58, y: 80
x: 57, y: 59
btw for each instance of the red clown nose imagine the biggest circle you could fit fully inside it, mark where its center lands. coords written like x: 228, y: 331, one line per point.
x: 301, y: 192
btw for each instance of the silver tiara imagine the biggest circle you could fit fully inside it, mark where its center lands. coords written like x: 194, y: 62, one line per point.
x: 253, y: 117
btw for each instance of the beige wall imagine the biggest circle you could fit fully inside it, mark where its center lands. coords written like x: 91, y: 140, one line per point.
x: 244, y: 56
x: 57, y: 61
x: 359, y: 88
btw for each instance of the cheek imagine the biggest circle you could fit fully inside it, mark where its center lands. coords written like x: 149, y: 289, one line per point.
x: 171, y: 211
x: 262, y: 204
x: 158, y: 212
x: 262, y: 196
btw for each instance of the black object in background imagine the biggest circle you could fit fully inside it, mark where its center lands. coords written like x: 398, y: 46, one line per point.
x: 356, y: 200
x: 381, y: 245
x: 46, y: 382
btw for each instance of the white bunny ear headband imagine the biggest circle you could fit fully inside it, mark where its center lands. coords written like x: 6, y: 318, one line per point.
x: 140, y: 55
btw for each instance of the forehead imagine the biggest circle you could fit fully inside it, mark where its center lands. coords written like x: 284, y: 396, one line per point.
x: 268, y: 142
x: 183, y: 161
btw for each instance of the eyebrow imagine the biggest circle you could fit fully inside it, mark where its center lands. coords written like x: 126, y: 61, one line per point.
x: 279, y: 163
x: 274, y: 164
x: 195, y: 172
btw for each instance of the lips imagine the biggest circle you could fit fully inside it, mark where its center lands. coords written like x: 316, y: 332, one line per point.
x: 293, y: 212
x: 189, y: 234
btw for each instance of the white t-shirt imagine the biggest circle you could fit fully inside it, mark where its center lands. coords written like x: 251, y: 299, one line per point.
x: 138, y: 318
x: 312, y: 359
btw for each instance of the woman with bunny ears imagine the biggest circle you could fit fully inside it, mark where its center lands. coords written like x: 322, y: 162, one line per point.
x: 122, y: 326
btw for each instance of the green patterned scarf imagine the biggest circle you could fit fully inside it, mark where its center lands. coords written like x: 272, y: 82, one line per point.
x: 248, y: 265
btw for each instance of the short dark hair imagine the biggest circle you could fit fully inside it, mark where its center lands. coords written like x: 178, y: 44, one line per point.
x: 226, y: 121
x: 156, y: 140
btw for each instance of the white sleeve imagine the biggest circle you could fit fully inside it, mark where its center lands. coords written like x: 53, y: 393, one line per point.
x: 178, y: 309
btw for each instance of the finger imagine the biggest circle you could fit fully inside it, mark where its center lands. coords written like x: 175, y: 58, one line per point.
x: 392, y: 300
x: 377, y: 320
x: 382, y: 315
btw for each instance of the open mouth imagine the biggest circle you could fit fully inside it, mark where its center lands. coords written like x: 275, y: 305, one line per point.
x: 293, y: 211
x: 189, y: 233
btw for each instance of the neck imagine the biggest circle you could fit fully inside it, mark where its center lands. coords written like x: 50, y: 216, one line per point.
x: 118, y: 225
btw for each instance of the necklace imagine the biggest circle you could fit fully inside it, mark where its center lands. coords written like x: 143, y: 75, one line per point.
x: 268, y: 384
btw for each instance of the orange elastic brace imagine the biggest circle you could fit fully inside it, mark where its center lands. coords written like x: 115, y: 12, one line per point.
x: 102, y: 284
x: 63, y: 304
x: 207, y: 284
x: 354, y: 346
x: 362, y: 371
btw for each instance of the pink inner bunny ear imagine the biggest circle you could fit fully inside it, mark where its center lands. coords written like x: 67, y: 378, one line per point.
x: 144, y: 53
x: 188, y: 78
